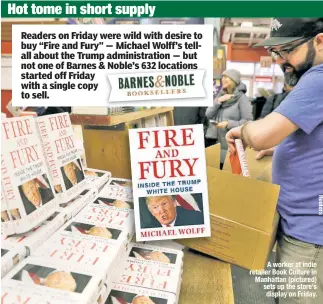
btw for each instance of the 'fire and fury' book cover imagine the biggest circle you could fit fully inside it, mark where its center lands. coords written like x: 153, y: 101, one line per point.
x: 169, y: 182
x: 26, y: 182
x: 62, y: 155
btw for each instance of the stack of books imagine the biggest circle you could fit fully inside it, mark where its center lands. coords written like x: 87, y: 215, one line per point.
x: 43, y: 183
x: 149, y: 272
x: 28, y: 191
x: 67, y: 231
x: 76, y: 264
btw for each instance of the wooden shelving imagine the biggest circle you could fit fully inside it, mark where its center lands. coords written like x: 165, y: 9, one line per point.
x: 106, y: 146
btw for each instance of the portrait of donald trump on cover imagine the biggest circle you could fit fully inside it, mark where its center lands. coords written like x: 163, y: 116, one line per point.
x: 171, y: 210
x: 121, y: 297
x: 36, y: 193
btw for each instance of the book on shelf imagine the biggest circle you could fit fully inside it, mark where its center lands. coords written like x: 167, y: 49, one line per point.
x: 62, y: 154
x: 26, y: 181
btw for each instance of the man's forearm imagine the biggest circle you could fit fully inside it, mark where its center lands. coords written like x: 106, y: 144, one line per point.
x: 267, y: 132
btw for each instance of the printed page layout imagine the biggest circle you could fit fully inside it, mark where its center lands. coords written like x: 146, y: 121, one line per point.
x: 169, y: 183
x: 157, y: 153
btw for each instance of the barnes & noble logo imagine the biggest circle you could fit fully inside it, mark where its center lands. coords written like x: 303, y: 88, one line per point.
x: 156, y: 85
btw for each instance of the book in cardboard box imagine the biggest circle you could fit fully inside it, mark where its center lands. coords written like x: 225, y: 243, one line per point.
x: 56, y: 280
x: 125, y: 294
x: 118, y: 188
x: 33, y: 239
x: 96, y: 178
x: 243, y: 212
x: 62, y: 155
x: 98, y: 253
x: 75, y: 205
x: 11, y: 255
x: 169, y: 183
x: 26, y: 182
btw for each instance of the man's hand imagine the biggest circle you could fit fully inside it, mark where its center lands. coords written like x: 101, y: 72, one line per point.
x: 231, y: 136
x: 222, y: 124
x: 263, y: 153
x: 224, y: 98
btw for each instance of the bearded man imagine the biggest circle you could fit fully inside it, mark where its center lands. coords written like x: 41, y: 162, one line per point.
x: 293, y: 134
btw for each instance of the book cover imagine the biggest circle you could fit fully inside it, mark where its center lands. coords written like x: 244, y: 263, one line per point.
x: 10, y: 294
x: 56, y: 280
x: 92, y: 230
x: 96, y: 178
x: 62, y: 155
x: 122, y: 219
x: 75, y: 205
x: 33, y: 239
x: 97, y: 253
x: 116, y: 192
x: 121, y: 182
x: 141, y: 268
x: 118, y: 188
x: 164, y: 258
x: 11, y: 255
x: 112, y: 202
x: 124, y: 294
x: 169, y: 182
x: 25, y: 178
x: 7, y: 226
x: 147, y: 277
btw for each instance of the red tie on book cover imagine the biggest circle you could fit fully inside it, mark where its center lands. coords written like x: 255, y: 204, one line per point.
x: 187, y: 201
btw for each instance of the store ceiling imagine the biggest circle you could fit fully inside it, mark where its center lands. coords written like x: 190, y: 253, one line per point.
x: 245, y: 30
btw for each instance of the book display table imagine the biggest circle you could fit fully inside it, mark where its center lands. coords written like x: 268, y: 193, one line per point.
x: 205, y: 280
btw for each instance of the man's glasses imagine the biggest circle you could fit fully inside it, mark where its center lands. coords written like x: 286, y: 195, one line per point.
x: 284, y: 53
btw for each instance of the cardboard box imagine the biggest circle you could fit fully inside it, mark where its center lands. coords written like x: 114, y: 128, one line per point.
x: 243, y: 213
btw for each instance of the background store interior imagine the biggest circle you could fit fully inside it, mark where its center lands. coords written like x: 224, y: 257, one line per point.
x: 236, y: 37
